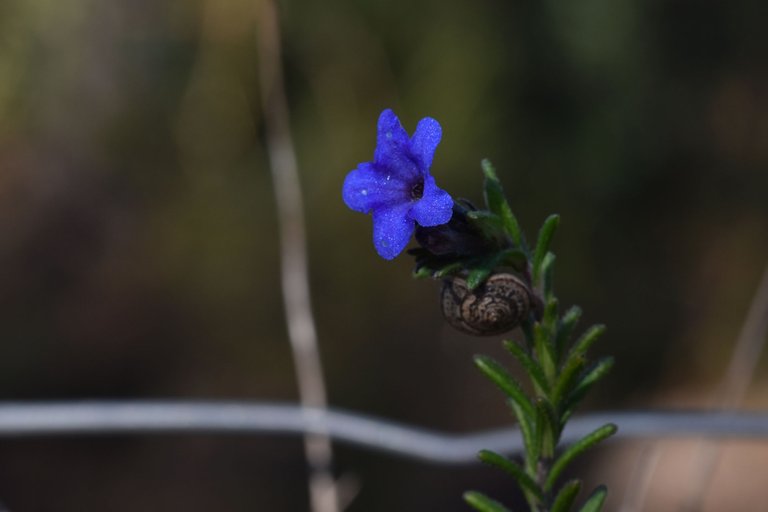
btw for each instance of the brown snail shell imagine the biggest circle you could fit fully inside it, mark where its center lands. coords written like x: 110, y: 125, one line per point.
x: 497, y: 306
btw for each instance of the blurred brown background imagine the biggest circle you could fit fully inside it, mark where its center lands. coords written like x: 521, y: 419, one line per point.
x: 138, y: 243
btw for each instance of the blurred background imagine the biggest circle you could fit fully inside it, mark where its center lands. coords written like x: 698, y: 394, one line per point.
x: 138, y: 241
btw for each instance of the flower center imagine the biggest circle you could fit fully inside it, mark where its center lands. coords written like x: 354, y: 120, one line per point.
x: 417, y: 190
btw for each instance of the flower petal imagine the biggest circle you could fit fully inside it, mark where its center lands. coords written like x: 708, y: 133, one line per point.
x: 424, y: 142
x: 366, y: 188
x: 390, y: 130
x: 392, y: 230
x: 435, y: 207
x: 392, y: 153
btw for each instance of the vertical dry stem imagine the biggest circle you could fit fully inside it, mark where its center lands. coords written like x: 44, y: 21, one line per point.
x: 294, y: 273
x: 733, y: 388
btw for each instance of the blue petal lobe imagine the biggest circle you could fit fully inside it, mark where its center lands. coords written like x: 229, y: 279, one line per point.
x: 424, y: 142
x: 435, y: 207
x: 389, y: 129
x: 392, y: 230
x: 392, y: 152
x: 366, y: 188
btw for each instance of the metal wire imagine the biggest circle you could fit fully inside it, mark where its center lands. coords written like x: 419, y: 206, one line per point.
x: 246, y: 418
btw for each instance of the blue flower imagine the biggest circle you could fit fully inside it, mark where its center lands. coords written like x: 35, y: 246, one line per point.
x: 397, y: 187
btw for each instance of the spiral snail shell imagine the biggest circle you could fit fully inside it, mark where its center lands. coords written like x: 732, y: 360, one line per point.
x: 497, y: 306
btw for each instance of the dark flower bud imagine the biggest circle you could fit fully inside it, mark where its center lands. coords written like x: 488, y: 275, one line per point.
x: 459, y: 237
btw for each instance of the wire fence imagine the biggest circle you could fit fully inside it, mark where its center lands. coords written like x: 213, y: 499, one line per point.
x: 253, y: 418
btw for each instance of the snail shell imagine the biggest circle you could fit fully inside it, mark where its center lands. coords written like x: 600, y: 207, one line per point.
x: 497, y: 306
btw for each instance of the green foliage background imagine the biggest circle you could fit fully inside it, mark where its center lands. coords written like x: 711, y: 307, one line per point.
x: 138, y: 248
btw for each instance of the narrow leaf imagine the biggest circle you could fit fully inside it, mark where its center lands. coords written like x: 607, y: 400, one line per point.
x: 577, y: 449
x: 422, y: 272
x: 496, y: 202
x: 485, y: 215
x: 448, y: 270
x: 542, y: 244
x: 491, y: 224
x: 531, y: 439
x: 531, y: 366
x: 483, y: 503
x: 595, y: 501
x: 600, y: 368
x: 501, y: 377
x: 567, y: 380
x: 543, y: 348
x: 477, y: 277
x: 587, y: 339
x: 595, y: 373
x: 514, y: 258
x: 547, y: 275
x: 547, y: 428
x: 572, y: 392
x: 566, y: 496
x: 523, y: 479
x: 549, y: 320
x: 565, y: 329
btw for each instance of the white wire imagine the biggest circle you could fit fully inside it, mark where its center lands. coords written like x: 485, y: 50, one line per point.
x: 175, y: 417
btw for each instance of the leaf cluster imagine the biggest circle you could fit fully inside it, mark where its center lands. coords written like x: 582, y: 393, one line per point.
x: 559, y: 372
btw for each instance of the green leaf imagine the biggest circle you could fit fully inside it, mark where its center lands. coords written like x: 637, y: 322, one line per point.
x: 547, y: 428
x: 501, y: 377
x: 567, y: 379
x: 485, y: 216
x: 547, y: 273
x: 601, y: 368
x: 514, y: 258
x: 588, y: 339
x: 595, y: 373
x: 496, y: 202
x: 543, y: 348
x: 422, y: 272
x: 549, y: 319
x: 523, y: 479
x: 531, y: 439
x: 542, y: 244
x: 490, y: 224
x: 575, y: 361
x: 531, y: 366
x: 565, y: 328
x: 477, y: 277
x: 566, y: 496
x: 595, y: 501
x: 577, y: 449
x: 483, y: 503
x: 448, y: 270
